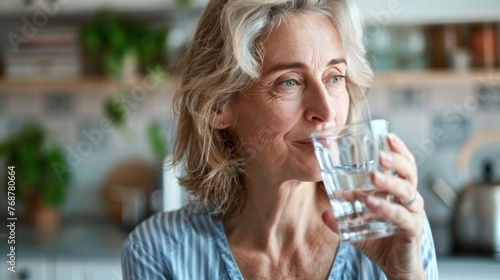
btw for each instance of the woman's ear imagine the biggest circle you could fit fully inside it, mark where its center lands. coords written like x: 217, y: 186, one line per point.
x: 221, y: 118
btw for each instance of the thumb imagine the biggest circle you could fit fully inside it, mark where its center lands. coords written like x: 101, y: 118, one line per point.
x: 329, y: 220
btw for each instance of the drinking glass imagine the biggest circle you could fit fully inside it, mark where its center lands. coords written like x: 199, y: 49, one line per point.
x: 347, y: 155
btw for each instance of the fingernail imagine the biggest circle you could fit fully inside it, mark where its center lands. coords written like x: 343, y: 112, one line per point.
x: 375, y: 202
x: 380, y: 177
x: 387, y: 157
x: 393, y: 138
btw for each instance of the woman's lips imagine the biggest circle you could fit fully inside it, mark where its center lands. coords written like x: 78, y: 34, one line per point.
x: 307, y: 143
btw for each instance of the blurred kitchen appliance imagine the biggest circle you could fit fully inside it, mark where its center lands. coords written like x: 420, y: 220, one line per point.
x: 476, y: 215
x: 126, y: 192
x: 476, y: 220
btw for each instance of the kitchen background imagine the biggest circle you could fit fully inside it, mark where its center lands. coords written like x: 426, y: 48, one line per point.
x: 98, y: 77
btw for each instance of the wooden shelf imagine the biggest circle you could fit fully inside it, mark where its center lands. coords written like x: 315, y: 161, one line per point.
x: 392, y: 79
x: 437, y: 78
x: 91, y: 84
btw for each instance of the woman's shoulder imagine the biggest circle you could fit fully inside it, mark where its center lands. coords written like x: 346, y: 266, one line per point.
x: 171, y: 228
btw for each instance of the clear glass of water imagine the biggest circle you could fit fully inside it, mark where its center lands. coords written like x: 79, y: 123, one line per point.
x: 347, y: 155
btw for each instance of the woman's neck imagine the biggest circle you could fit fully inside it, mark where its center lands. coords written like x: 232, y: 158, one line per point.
x: 278, y: 216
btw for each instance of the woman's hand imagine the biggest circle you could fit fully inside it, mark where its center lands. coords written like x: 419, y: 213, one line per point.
x: 399, y: 256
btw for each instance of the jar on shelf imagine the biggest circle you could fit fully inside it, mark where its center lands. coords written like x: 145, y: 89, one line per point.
x: 484, y: 45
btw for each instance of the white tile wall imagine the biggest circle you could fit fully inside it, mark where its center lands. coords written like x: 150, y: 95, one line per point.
x: 90, y: 103
x: 24, y: 104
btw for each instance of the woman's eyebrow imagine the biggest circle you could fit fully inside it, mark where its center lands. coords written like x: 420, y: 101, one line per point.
x: 336, y: 61
x: 292, y: 65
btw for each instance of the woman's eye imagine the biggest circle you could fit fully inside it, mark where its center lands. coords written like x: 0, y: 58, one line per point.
x: 289, y: 83
x: 337, y: 79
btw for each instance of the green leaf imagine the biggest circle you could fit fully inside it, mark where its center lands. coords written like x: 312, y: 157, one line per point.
x: 90, y: 39
x: 157, y: 141
x: 184, y: 3
x: 55, y: 192
x: 114, y: 110
x: 113, y: 65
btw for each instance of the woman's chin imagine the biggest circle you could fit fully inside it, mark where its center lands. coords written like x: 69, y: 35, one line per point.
x: 312, y: 176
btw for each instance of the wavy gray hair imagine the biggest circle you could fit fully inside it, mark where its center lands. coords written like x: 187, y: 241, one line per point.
x: 223, y: 60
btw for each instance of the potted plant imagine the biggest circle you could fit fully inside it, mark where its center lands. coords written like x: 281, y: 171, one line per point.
x: 123, y: 45
x: 43, y: 176
x: 124, y: 48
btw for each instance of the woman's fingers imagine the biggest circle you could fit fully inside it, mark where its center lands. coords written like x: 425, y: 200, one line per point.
x: 329, y: 220
x: 403, y: 190
x: 395, y: 213
x: 404, y: 186
x: 399, y: 159
x: 398, y: 146
x: 403, y: 167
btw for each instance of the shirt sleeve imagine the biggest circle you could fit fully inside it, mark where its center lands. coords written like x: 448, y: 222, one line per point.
x: 429, y: 253
x: 138, y: 264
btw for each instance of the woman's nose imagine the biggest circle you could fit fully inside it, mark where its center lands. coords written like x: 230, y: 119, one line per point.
x: 319, y: 104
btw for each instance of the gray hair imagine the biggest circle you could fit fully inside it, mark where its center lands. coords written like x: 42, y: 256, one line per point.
x: 224, y: 60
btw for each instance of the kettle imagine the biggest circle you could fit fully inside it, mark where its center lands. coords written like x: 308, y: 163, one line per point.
x: 476, y: 216
x: 475, y: 219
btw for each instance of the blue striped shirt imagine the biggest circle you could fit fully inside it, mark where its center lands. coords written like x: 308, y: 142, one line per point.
x: 184, y: 245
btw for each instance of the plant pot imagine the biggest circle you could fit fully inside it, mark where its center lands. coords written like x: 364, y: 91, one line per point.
x: 42, y: 217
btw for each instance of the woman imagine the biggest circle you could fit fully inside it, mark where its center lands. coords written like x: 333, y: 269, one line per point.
x: 258, y: 77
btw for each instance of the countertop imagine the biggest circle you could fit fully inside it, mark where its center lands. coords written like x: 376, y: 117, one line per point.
x: 468, y: 268
x: 83, y: 237
x: 82, y: 248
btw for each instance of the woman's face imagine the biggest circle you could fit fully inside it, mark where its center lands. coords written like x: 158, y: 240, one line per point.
x: 301, y: 88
